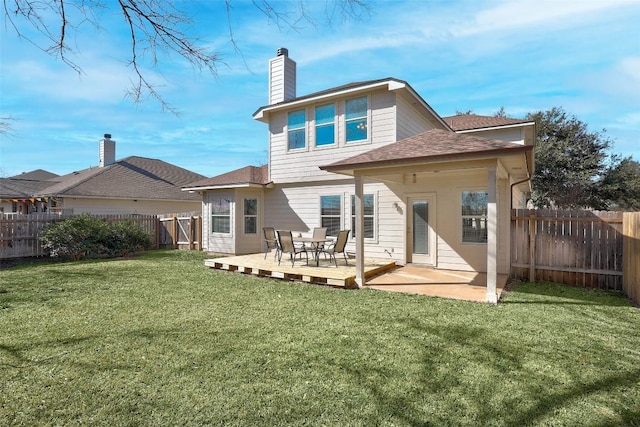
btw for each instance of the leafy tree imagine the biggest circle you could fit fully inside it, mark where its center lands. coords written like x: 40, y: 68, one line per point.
x: 501, y: 113
x: 620, y: 186
x: 157, y: 29
x: 570, y: 162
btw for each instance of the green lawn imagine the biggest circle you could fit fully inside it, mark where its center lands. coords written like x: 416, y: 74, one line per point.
x: 163, y: 340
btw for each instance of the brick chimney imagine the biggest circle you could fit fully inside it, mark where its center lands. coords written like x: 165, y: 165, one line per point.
x: 282, y: 77
x: 107, y: 151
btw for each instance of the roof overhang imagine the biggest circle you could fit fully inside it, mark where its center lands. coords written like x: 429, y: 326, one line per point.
x: 225, y: 187
x: 352, y: 169
x: 515, y: 125
x: 262, y: 114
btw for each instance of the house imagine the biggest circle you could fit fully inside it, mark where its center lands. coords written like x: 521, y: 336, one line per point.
x: 375, y: 158
x: 133, y: 185
x: 16, y: 192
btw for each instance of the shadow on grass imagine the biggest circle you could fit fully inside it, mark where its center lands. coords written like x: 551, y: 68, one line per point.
x: 558, y: 294
x: 462, y: 378
x: 17, y: 353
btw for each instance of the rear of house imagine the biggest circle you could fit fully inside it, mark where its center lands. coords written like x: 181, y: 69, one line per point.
x: 374, y: 156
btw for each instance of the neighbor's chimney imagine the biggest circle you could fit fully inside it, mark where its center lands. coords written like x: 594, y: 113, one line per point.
x: 107, y: 151
x: 282, y: 77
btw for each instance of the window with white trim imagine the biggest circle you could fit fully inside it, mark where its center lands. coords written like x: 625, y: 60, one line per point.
x: 220, y: 215
x: 296, y: 125
x: 325, y: 125
x: 250, y: 216
x: 356, y: 119
x: 474, y: 216
x: 368, y: 216
x: 330, y: 214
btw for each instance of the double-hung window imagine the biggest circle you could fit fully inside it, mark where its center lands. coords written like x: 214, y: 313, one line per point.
x: 220, y: 215
x: 325, y: 124
x: 330, y: 214
x: 368, y: 216
x: 474, y: 216
x: 296, y: 124
x: 356, y: 119
x: 250, y: 216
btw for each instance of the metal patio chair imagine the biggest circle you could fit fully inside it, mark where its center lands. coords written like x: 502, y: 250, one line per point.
x: 285, y: 239
x: 338, y: 247
x: 271, y: 241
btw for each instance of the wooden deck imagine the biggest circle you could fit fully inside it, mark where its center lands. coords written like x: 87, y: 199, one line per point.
x: 380, y: 275
x: 324, y: 274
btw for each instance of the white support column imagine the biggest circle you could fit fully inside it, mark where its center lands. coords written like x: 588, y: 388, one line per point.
x: 492, y: 237
x: 359, y: 231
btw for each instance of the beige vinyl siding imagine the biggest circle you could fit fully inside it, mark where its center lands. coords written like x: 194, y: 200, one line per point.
x: 302, y: 165
x: 297, y: 208
x: 447, y: 187
x: 514, y: 134
x: 103, y: 206
x: 410, y: 121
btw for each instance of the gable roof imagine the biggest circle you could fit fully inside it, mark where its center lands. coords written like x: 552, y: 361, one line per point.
x: 427, y: 147
x: 462, y: 122
x: 36, y: 175
x: 244, y: 177
x: 390, y: 82
x: 131, y: 177
x: 20, y: 188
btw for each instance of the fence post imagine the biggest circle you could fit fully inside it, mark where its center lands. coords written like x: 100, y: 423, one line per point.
x: 175, y: 232
x: 631, y: 255
x: 532, y: 248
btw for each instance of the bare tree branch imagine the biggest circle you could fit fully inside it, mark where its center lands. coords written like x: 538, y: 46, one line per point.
x: 157, y: 28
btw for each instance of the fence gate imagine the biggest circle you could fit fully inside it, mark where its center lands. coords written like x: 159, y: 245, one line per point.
x: 180, y: 232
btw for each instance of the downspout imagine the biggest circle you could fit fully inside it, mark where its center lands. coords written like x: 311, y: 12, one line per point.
x: 528, y: 178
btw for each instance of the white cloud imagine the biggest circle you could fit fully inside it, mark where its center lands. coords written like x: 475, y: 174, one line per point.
x: 522, y: 14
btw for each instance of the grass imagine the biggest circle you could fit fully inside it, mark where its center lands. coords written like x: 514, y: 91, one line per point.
x: 163, y: 340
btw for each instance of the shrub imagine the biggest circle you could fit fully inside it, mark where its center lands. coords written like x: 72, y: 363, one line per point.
x: 87, y: 236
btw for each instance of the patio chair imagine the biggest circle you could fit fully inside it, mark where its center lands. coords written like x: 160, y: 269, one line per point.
x: 338, y: 247
x: 271, y: 241
x: 285, y: 239
x: 319, y: 233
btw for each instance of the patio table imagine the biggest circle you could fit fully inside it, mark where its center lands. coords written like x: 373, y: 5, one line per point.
x: 316, y: 244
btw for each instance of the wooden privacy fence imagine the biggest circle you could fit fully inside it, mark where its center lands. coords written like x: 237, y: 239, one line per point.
x: 20, y: 234
x: 575, y: 247
x: 631, y: 255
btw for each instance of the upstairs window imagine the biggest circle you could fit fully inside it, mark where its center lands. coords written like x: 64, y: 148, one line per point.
x: 325, y: 124
x: 220, y: 215
x: 296, y: 129
x: 368, y: 215
x: 330, y: 214
x: 474, y: 216
x: 356, y: 119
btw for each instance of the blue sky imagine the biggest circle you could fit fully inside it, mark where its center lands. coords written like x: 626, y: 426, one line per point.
x: 582, y: 55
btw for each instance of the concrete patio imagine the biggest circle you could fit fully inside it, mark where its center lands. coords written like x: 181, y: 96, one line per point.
x: 379, y: 274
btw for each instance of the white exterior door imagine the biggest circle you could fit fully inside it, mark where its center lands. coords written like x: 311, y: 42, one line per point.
x: 421, y: 235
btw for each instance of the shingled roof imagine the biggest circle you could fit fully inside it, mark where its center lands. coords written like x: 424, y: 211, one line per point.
x: 430, y: 146
x: 248, y: 175
x: 131, y: 177
x: 463, y: 122
x: 36, y: 175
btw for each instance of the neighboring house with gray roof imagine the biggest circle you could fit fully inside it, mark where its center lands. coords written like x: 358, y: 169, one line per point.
x: 375, y: 158
x: 17, y: 192
x: 133, y: 185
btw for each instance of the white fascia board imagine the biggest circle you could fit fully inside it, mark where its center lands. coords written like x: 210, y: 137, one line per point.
x: 515, y: 125
x: 391, y: 84
x: 224, y: 187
